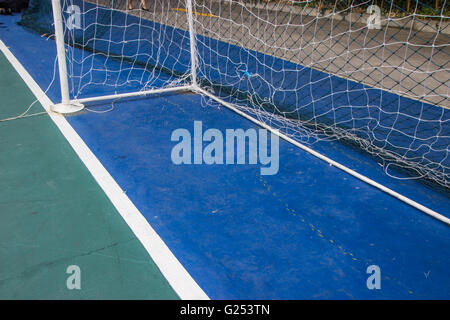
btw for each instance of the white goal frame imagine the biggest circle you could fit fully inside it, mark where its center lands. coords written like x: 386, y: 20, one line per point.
x: 68, y: 106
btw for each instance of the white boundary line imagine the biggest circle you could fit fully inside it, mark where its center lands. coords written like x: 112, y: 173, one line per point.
x: 177, y: 276
x: 365, y: 179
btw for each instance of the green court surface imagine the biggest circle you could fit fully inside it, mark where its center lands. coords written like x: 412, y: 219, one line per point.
x: 53, y: 215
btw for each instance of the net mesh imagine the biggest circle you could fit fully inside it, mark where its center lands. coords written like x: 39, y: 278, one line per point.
x: 123, y: 49
x: 372, y: 73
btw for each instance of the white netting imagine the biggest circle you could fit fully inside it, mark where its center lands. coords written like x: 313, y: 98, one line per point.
x: 126, y: 47
x: 317, y: 70
x: 372, y: 73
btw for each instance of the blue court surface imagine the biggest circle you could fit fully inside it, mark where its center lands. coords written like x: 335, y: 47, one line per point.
x: 308, y: 232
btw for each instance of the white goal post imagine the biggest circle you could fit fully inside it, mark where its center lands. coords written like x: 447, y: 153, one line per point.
x: 66, y: 105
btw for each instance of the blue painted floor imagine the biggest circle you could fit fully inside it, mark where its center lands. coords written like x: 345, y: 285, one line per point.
x: 308, y: 232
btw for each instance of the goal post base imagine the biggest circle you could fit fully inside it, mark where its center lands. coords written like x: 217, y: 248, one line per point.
x: 67, y: 108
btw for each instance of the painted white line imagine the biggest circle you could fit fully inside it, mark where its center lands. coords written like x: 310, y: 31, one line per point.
x: 177, y: 276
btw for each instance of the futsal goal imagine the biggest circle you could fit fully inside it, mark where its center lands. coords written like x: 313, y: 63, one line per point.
x: 374, y: 74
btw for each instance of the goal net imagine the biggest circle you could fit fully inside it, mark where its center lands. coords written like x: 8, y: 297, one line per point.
x: 112, y: 48
x: 375, y: 74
